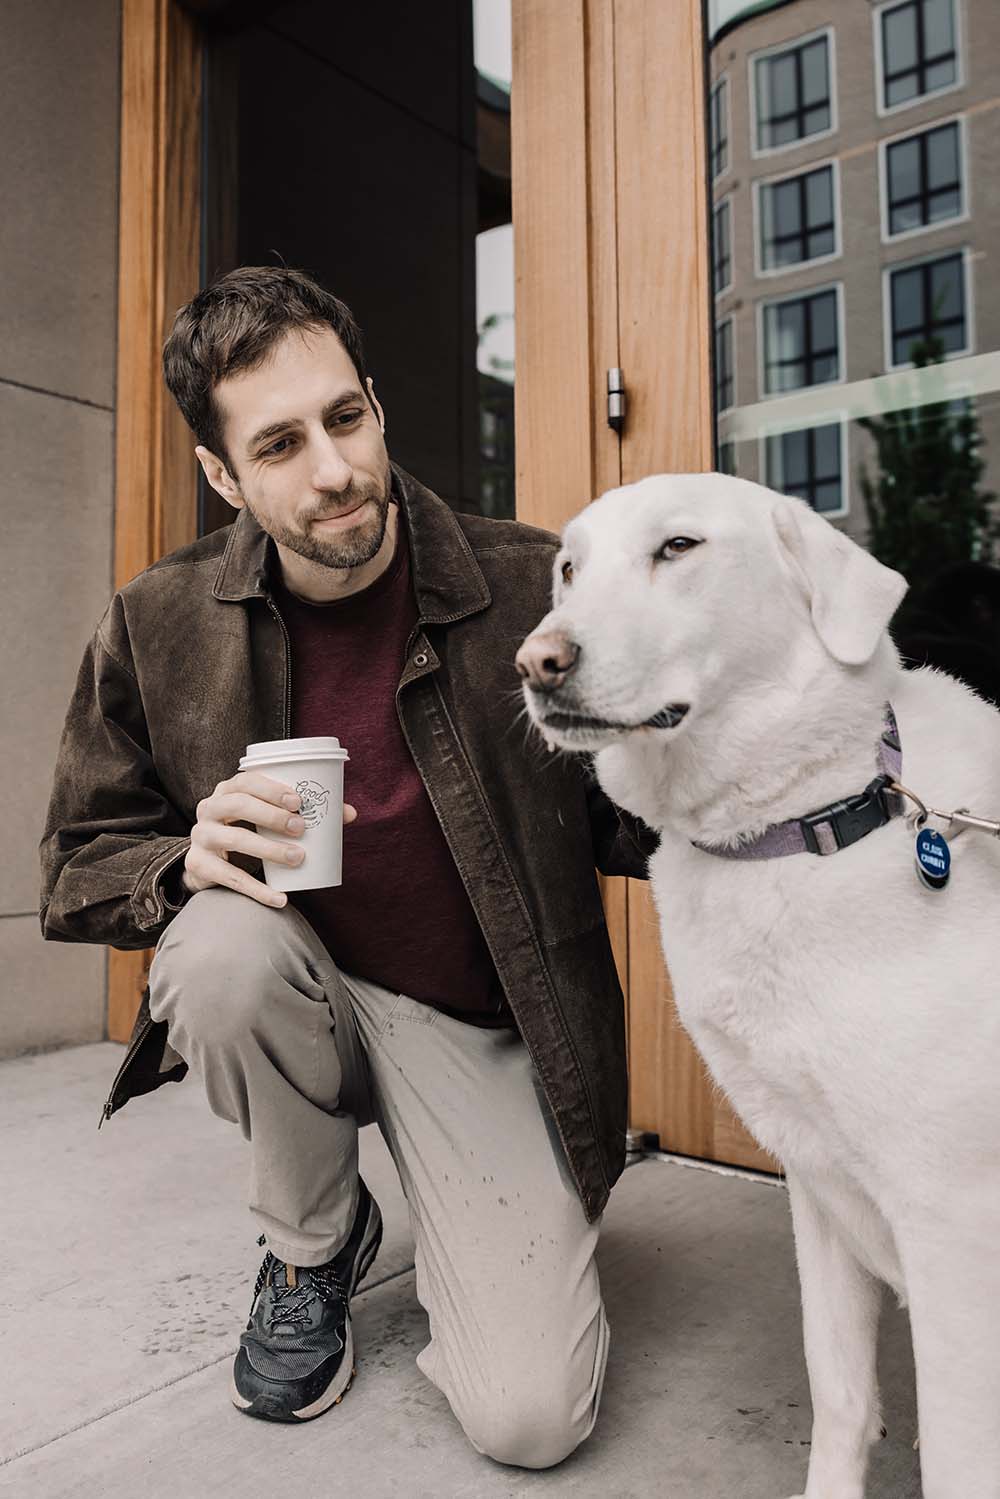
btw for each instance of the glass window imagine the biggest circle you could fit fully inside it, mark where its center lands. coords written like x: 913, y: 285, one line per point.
x: 918, y: 50
x: 924, y: 179
x: 722, y: 248
x: 927, y: 303
x: 801, y: 346
x: 718, y: 128
x: 796, y: 218
x: 724, y: 392
x: 793, y: 94
x: 727, y: 458
x: 807, y: 464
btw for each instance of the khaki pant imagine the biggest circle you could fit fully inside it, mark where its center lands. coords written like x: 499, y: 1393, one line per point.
x: 299, y: 1055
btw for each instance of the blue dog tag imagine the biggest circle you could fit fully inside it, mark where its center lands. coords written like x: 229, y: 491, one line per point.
x: 933, y: 859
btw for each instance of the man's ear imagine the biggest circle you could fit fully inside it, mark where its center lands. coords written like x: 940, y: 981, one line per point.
x: 851, y: 596
x: 375, y: 403
x: 218, y: 476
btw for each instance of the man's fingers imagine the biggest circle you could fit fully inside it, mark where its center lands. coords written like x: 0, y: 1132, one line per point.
x: 242, y: 807
x: 350, y: 813
x: 258, y: 784
x: 219, y: 839
x: 211, y: 869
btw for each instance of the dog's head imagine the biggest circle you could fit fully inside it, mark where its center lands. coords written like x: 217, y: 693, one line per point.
x: 673, y: 594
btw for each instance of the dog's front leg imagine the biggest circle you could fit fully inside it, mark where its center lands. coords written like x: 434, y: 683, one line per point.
x: 952, y: 1272
x: 840, y: 1310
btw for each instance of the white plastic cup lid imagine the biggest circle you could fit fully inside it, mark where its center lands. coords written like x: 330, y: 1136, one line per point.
x: 324, y: 746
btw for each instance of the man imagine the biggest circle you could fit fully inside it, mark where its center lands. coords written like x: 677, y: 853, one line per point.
x: 459, y: 987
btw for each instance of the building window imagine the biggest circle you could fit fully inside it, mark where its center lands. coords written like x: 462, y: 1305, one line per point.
x: 924, y: 179
x: 722, y: 247
x: 718, y: 128
x: 919, y: 55
x: 724, y: 381
x: 797, y: 219
x: 927, y: 301
x: 793, y: 94
x: 801, y: 343
x: 727, y: 458
x: 808, y: 464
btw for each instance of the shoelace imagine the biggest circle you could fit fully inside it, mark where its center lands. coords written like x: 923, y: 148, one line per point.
x: 292, y: 1303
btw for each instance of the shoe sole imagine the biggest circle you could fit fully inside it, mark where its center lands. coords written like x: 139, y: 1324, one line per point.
x: 269, y: 1408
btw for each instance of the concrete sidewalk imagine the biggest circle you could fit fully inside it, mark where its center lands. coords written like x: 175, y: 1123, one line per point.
x: 129, y: 1262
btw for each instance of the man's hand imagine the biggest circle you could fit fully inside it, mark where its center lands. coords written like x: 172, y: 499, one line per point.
x: 248, y: 796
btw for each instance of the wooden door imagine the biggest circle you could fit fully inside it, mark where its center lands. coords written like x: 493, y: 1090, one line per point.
x: 612, y: 268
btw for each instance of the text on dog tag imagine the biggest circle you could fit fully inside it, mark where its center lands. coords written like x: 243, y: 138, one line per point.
x: 933, y: 859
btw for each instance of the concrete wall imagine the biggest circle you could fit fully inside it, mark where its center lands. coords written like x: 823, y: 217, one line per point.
x: 59, y: 71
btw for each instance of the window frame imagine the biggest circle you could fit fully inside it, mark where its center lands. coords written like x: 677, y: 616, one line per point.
x: 838, y: 417
x: 887, y: 238
x: 717, y: 326
x: 884, y: 110
x: 798, y: 296
x: 758, y: 153
x: 726, y: 201
x: 760, y: 183
x: 945, y: 252
x: 722, y: 82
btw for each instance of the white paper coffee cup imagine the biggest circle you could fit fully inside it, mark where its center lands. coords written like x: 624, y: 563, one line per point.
x: 315, y: 769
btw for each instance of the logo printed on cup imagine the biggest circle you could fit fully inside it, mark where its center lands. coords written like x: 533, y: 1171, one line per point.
x: 315, y: 802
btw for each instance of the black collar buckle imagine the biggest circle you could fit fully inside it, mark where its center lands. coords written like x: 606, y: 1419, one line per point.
x: 850, y: 819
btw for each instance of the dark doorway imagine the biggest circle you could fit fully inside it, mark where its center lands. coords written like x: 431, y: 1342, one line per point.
x: 360, y: 144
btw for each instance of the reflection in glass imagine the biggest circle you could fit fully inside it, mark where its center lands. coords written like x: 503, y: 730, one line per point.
x: 797, y: 218
x: 928, y: 302
x: 800, y: 342
x: 849, y: 370
x: 793, y: 94
x: 718, y: 129
x: 924, y: 179
x: 722, y: 250
x: 807, y: 463
x: 918, y: 49
x: 494, y: 259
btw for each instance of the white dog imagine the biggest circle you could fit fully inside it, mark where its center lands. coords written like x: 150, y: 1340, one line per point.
x: 722, y: 652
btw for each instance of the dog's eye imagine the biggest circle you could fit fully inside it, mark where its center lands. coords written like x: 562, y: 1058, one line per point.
x: 567, y: 572
x: 675, y: 547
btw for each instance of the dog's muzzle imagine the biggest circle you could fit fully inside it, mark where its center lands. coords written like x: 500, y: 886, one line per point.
x: 666, y: 718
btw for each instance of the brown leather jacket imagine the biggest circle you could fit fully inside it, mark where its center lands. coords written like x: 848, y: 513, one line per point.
x: 190, y: 664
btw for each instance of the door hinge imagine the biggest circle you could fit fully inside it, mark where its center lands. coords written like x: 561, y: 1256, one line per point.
x: 616, y: 400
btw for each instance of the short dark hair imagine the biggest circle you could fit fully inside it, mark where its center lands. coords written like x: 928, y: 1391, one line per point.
x: 233, y: 325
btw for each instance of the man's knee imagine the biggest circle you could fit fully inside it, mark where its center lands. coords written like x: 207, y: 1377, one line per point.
x: 528, y: 1428
x: 213, y: 967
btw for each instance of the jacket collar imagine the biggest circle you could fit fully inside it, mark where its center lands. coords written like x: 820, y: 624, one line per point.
x: 447, y: 578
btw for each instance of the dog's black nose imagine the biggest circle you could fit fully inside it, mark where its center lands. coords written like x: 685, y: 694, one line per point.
x: 545, y: 661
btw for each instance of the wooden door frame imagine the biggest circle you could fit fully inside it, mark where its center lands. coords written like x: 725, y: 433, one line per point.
x: 611, y: 257
x: 159, y: 249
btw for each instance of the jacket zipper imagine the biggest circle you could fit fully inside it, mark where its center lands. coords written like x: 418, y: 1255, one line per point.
x: 107, y: 1110
x: 288, y: 668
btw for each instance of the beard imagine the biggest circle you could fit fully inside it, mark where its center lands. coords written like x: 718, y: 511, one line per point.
x: 340, y: 551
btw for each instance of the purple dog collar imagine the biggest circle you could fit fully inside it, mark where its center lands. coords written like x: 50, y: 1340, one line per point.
x: 838, y: 825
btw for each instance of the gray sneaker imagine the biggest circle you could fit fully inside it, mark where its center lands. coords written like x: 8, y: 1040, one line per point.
x: 296, y: 1356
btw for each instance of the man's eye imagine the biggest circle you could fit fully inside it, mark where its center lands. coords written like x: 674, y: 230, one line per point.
x: 275, y: 448
x: 675, y: 547
x: 346, y: 417
x: 567, y: 572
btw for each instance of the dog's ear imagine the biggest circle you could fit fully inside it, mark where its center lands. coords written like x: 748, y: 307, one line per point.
x: 851, y: 596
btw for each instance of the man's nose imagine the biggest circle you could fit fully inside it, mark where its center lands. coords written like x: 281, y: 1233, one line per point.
x: 331, y: 470
x: 545, y: 661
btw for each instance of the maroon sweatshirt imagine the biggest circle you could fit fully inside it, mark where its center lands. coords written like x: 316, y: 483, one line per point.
x: 402, y: 917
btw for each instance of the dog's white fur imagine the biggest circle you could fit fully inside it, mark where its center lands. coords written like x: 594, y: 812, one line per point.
x: 851, y: 1015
